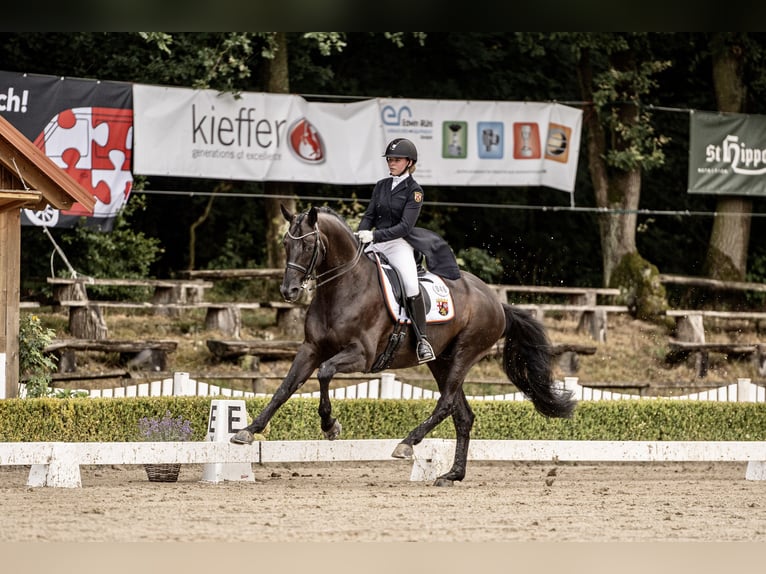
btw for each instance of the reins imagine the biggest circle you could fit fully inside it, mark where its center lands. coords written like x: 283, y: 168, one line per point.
x: 309, y: 272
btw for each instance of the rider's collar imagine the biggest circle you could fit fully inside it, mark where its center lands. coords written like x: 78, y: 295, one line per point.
x: 397, y: 179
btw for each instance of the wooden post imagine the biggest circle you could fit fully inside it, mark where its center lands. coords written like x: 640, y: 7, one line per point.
x: 10, y: 261
x: 87, y: 322
x: 227, y: 319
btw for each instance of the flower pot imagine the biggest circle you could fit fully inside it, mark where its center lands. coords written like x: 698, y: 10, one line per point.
x: 162, y: 472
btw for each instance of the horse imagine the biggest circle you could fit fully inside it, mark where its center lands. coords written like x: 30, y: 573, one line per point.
x: 347, y: 327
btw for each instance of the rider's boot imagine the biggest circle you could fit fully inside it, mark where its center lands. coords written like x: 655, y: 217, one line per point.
x: 418, y: 315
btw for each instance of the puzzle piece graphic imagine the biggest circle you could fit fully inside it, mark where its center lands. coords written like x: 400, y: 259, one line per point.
x: 112, y: 185
x: 94, y: 145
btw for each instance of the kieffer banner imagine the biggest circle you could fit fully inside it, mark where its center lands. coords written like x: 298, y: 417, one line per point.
x: 86, y: 128
x: 727, y: 154
x: 276, y: 137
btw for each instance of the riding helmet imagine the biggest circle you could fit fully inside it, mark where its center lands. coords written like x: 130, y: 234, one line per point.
x: 401, y: 147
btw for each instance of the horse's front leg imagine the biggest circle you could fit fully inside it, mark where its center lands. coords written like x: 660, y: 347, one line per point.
x: 304, y: 364
x: 349, y: 360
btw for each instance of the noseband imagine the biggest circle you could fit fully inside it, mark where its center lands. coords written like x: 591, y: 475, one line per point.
x: 309, y: 272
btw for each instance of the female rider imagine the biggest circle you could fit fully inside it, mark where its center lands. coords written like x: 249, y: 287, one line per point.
x: 393, y: 212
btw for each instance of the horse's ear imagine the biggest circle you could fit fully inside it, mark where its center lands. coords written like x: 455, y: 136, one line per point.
x: 312, y: 217
x: 286, y: 213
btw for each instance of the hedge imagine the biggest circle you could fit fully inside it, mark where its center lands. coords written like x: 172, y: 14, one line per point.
x: 115, y: 419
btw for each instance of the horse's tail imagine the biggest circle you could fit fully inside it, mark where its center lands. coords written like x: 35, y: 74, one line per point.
x: 528, y: 364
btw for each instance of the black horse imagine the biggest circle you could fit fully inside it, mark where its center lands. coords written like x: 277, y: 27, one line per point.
x: 348, y: 327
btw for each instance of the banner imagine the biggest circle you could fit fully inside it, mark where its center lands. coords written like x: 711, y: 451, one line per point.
x: 86, y: 128
x: 276, y: 137
x: 727, y: 154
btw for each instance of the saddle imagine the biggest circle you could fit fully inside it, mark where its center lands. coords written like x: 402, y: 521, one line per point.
x: 436, y: 296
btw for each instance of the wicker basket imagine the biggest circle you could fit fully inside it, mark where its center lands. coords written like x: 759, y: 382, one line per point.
x: 162, y: 472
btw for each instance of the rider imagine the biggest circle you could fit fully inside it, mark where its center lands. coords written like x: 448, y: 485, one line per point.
x: 393, y: 211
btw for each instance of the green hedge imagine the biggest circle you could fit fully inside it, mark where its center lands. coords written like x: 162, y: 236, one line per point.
x: 111, y: 419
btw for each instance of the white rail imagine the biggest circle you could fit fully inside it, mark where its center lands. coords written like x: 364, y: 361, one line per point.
x: 388, y: 387
x: 57, y: 464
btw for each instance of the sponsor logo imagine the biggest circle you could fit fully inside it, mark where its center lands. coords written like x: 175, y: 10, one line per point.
x: 742, y: 159
x: 557, y: 145
x: 306, y: 142
x: 10, y: 101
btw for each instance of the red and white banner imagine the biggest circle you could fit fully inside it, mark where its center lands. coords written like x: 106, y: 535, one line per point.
x: 275, y: 137
x: 86, y: 128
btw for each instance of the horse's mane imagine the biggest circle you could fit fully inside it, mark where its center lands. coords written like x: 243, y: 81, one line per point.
x: 330, y: 211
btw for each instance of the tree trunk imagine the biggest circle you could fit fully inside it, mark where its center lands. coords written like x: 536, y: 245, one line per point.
x: 730, y: 237
x: 277, y: 81
x: 619, y: 190
x: 618, y: 230
x: 289, y: 320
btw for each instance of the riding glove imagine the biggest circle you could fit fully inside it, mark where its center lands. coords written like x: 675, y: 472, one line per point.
x: 365, y: 235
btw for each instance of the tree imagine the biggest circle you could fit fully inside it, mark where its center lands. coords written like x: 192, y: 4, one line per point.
x: 615, y: 71
x: 729, y: 239
x: 620, y: 139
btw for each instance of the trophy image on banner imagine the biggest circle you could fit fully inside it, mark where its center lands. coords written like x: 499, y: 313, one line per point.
x: 454, y: 135
x: 526, y: 141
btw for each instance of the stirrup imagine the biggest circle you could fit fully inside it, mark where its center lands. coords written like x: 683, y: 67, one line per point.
x: 425, y: 351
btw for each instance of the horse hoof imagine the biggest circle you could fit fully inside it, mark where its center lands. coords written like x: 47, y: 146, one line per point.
x: 403, y: 450
x: 242, y: 437
x: 334, y: 431
x: 444, y: 482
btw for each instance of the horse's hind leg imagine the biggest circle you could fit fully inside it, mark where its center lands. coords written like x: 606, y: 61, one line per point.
x: 449, y: 376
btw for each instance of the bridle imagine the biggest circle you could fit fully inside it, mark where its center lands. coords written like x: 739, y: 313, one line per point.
x: 309, y: 272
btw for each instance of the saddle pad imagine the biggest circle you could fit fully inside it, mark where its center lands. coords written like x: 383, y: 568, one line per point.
x: 439, y: 305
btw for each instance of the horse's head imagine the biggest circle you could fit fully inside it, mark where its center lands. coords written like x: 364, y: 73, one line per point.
x: 303, y: 249
x: 316, y: 240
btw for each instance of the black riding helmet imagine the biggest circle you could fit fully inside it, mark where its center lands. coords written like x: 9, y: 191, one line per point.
x: 401, y: 147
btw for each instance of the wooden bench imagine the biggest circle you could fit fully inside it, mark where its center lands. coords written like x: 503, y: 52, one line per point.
x: 714, y: 284
x: 250, y: 273
x: 680, y: 351
x: 165, y: 290
x: 86, y: 319
x: 234, y: 349
x: 581, y: 301
x: 692, y: 319
x: 575, y: 295
x: 566, y: 354
x: 136, y: 354
x: 593, y: 318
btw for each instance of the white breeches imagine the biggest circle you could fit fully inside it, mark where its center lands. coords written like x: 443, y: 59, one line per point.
x: 400, y: 255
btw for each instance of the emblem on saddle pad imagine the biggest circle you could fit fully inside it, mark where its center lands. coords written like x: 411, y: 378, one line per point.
x: 439, y: 305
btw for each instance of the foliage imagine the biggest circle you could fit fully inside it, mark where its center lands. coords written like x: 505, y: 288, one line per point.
x: 123, y: 252
x: 166, y: 428
x: 113, y: 419
x: 546, y: 247
x: 35, y: 366
x: 480, y: 263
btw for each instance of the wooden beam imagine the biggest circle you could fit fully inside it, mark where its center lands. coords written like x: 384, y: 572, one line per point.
x: 15, y: 199
x: 27, y: 161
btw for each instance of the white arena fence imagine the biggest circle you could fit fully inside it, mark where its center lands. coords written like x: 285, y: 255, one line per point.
x: 57, y: 464
x: 388, y: 387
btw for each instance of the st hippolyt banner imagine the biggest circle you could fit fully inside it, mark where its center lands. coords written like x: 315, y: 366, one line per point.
x: 727, y: 154
x: 281, y: 137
